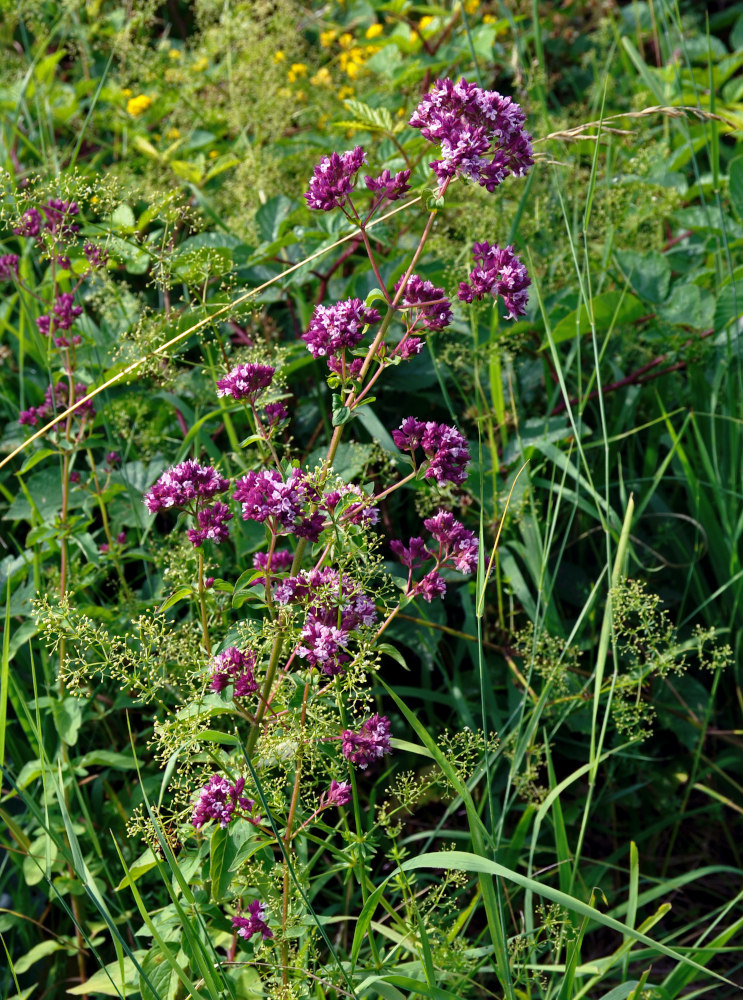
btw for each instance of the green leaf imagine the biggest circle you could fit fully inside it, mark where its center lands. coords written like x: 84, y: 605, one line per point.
x: 68, y: 717
x: 179, y: 595
x: 122, y: 218
x: 735, y: 174
x: 609, y: 309
x: 372, y: 119
x: 729, y: 304
x: 36, y: 457
x: 341, y: 414
x: 38, y: 952
x: 223, y: 851
x: 40, y: 857
x: 107, y: 981
x: 158, y: 980
x: 649, y: 273
x: 106, y: 758
x: 689, y: 305
x: 270, y: 217
x: 143, y: 864
x: 385, y: 647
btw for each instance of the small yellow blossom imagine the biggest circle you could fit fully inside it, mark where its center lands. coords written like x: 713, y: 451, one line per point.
x: 174, y: 54
x: 201, y: 64
x: 346, y: 40
x: 327, y: 38
x: 400, y: 112
x: 279, y: 56
x: 284, y: 92
x: 300, y: 96
x: 296, y: 71
x: 425, y: 22
x: 136, y: 106
x: 471, y: 6
x: 374, y: 30
x: 322, y: 78
x: 213, y: 154
x: 344, y: 92
x: 126, y: 92
x: 94, y: 200
x: 173, y: 133
x: 489, y: 19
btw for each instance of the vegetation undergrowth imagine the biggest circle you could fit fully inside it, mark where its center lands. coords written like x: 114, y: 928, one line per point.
x: 370, y: 476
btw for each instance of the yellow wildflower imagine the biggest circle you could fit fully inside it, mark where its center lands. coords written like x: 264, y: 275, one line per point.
x: 322, y: 78
x: 94, y: 200
x: 136, y: 106
x: 174, y: 54
x: 400, y: 112
x: 213, y: 154
x: 279, y: 56
x: 327, y: 38
x: 344, y: 92
x: 425, y: 22
x: 284, y: 92
x: 126, y: 92
x: 300, y: 96
x: 374, y: 30
x: 297, y: 70
x: 346, y: 40
x: 201, y: 64
x: 173, y: 133
x: 471, y: 6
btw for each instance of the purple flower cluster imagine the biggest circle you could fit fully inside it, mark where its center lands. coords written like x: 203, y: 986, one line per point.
x: 332, y: 328
x: 323, y: 646
x: 498, y: 271
x: 212, y: 523
x: 232, y: 666
x: 390, y: 187
x: 275, y: 413
x: 429, y: 303
x: 457, y: 549
x: 220, y: 800
x: 281, y: 560
x: 265, y: 496
x: 63, y: 315
x: 481, y: 133
x: 246, y: 927
x: 444, y: 446
x: 58, y: 222
x: 333, y: 179
x: 96, y: 255
x: 8, y: 266
x: 339, y: 794
x: 370, y: 743
x: 186, y: 485
x: 246, y: 381
x: 57, y: 398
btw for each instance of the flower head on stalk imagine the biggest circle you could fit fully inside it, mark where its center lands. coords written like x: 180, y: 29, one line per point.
x: 370, y: 743
x: 427, y: 303
x: 185, y: 485
x: 481, y: 133
x: 333, y: 179
x: 265, y: 495
x: 8, y: 266
x: 220, y: 800
x: 498, y: 271
x: 212, y: 523
x: 246, y: 927
x: 389, y: 187
x: 57, y: 398
x: 232, y: 666
x: 333, y: 328
x: 444, y: 446
x: 246, y: 381
x: 339, y: 794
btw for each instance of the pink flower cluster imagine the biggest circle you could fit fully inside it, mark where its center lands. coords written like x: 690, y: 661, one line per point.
x: 481, y: 133
x: 333, y: 328
x: 63, y: 315
x: 370, y: 743
x: 389, y: 187
x: 187, y: 486
x: 59, y: 214
x: 333, y: 179
x: 266, y: 496
x: 444, y: 446
x: 55, y: 399
x: 220, y: 800
x: 428, y: 304
x: 212, y: 523
x: 232, y: 666
x: 498, y: 271
x: 246, y: 927
x: 246, y: 381
x: 457, y: 549
x: 8, y: 266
